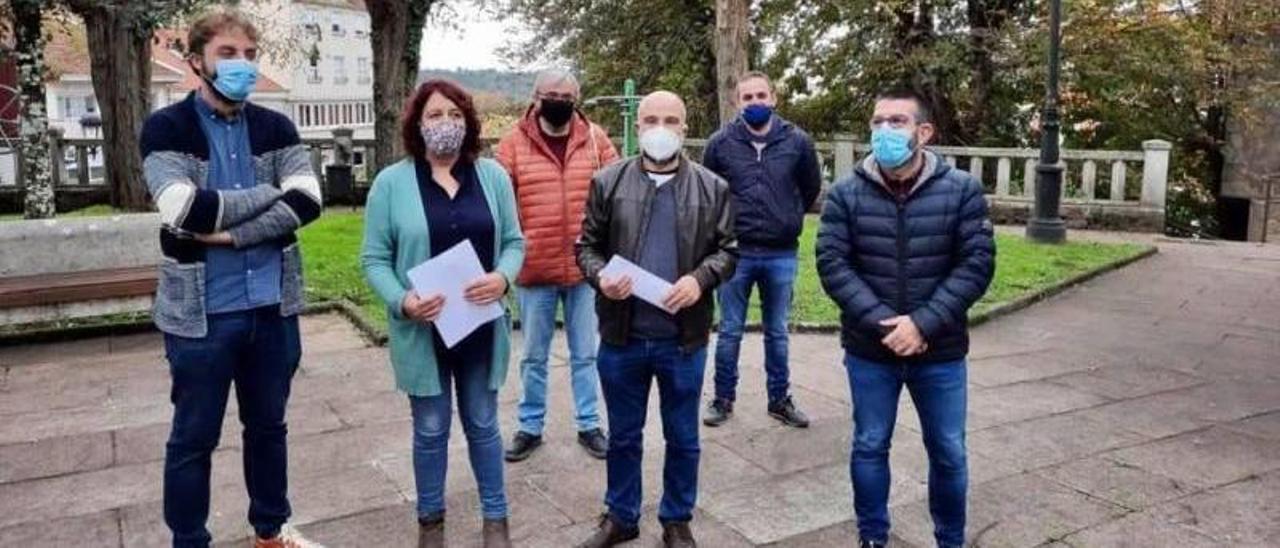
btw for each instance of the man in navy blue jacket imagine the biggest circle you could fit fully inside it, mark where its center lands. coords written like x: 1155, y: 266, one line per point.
x: 905, y: 247
x: 773, y: 172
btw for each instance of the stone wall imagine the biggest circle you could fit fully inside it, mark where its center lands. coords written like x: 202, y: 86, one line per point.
x: 79, y: 244
x: 1077, y: 216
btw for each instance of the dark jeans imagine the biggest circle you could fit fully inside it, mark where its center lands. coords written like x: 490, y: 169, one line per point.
x: 626, y: 373
x: 939, y: 394
x: 259, y: 351
x: 478, y: 413
x: 775, y: 276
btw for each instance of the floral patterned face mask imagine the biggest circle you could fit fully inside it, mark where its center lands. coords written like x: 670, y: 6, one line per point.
x: 444, y: 138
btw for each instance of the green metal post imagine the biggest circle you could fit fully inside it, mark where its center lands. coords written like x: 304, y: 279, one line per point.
x: 630, y: 145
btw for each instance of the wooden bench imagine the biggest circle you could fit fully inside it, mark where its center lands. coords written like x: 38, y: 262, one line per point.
x: 73, y: 287
x: 77, y: 268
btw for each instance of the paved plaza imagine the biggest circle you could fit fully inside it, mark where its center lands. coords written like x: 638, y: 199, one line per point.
x: 1139, y: 409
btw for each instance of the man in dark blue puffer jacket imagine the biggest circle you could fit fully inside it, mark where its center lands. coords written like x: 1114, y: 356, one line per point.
x: 773, y: 172
x: 905, y: 247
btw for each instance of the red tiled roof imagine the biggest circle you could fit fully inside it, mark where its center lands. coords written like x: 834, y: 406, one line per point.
x: 351, y: 4
x: 67, y: 51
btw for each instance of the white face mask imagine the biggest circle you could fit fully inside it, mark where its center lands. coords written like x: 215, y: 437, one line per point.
x: 660, y: 144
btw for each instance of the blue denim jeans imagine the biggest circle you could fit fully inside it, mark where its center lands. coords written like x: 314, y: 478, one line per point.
x: 258, y: 351
x: 626, y: 373
x: 538, y: 323
x: 939, y: 394
x: 478, y: 411
x: 774, y: 275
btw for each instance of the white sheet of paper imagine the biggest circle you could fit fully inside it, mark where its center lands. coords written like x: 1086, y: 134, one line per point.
x: 644, y: 284
x: 448, y: 274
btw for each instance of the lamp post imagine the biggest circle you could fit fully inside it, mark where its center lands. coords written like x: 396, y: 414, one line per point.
x: 1046, y: 225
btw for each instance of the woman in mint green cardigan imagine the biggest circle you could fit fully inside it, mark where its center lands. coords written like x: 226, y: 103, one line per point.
x: 441, y: 195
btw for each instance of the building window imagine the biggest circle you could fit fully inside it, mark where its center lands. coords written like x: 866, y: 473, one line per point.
x: 339, y: 69
x: 75, y: 107
x: 337, y: 30
x: 363, y: 73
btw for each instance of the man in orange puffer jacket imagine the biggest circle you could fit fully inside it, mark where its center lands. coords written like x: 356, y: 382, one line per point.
x: 551, y: 155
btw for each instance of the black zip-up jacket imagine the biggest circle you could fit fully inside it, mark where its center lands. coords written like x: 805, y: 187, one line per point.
x: 773, y: 187
x: 616, y: 218
x: 930, y: 256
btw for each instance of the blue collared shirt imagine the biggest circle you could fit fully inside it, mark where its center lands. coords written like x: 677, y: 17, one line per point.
x: 235, y: 279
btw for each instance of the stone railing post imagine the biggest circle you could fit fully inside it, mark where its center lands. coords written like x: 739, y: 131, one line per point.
x: 1155, y: 172
x: 842, y: 149
x: 57, y: 156
x: 343, y: 147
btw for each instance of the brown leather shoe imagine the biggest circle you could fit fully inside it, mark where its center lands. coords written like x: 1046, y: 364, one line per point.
x: 496, y: 533
x: 431, y: 532
x: 677, y: 535
x: 610, y: 533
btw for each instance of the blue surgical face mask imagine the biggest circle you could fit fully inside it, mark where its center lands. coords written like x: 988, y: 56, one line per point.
x: 892, y: 147
x: 233, y: 79
x: 757, y: 115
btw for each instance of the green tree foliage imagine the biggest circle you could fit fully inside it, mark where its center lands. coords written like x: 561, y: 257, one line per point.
x: 662, y: 44
x: 1178, y: 70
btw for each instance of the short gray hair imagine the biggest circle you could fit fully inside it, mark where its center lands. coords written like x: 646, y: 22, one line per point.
x: 551, y: 77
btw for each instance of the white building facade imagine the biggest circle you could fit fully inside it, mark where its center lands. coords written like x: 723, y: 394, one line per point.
x: 321, y: 53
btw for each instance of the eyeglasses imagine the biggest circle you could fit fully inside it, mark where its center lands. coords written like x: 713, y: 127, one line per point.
x: 558, y: 96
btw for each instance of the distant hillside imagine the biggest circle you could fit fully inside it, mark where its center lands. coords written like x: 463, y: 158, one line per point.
x: 516, y: 86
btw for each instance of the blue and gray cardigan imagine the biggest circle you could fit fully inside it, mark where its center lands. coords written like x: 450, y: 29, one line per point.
x: 286, y: 196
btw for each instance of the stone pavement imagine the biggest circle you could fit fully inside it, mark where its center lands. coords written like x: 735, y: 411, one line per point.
x: 1140, y: 409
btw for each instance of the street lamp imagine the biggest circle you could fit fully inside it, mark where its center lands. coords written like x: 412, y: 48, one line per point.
x: 1046, y: 225
x: 90, y: 123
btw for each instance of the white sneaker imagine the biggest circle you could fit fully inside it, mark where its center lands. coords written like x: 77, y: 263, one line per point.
x: 289, y: 537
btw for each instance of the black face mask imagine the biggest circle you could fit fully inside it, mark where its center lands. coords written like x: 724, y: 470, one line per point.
x: 556, y: 112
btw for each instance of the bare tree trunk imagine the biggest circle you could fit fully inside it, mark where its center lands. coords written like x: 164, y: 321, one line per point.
x: 396, y: 32
x: 39, y: 201
x: 122, y: 85
x: 732, y: 40
x: 981, y: 37
x: 987, y: 18
x: 914, y: 30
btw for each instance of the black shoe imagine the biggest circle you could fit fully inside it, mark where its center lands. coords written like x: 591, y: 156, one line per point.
x: 522, y: 445
x: 718, y: 412
x: 610, y: 533
x: 871, y: 544
x: 594, y: 442
x: 677, y: 535
x: 785, y: 411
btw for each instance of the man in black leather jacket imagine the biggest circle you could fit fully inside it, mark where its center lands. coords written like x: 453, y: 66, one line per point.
x: 673, y: 218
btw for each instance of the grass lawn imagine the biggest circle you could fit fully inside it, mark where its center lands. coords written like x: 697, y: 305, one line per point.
x: 331, y: 249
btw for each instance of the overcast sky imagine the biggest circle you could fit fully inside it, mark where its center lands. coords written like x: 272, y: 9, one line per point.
x: 474, y: 44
